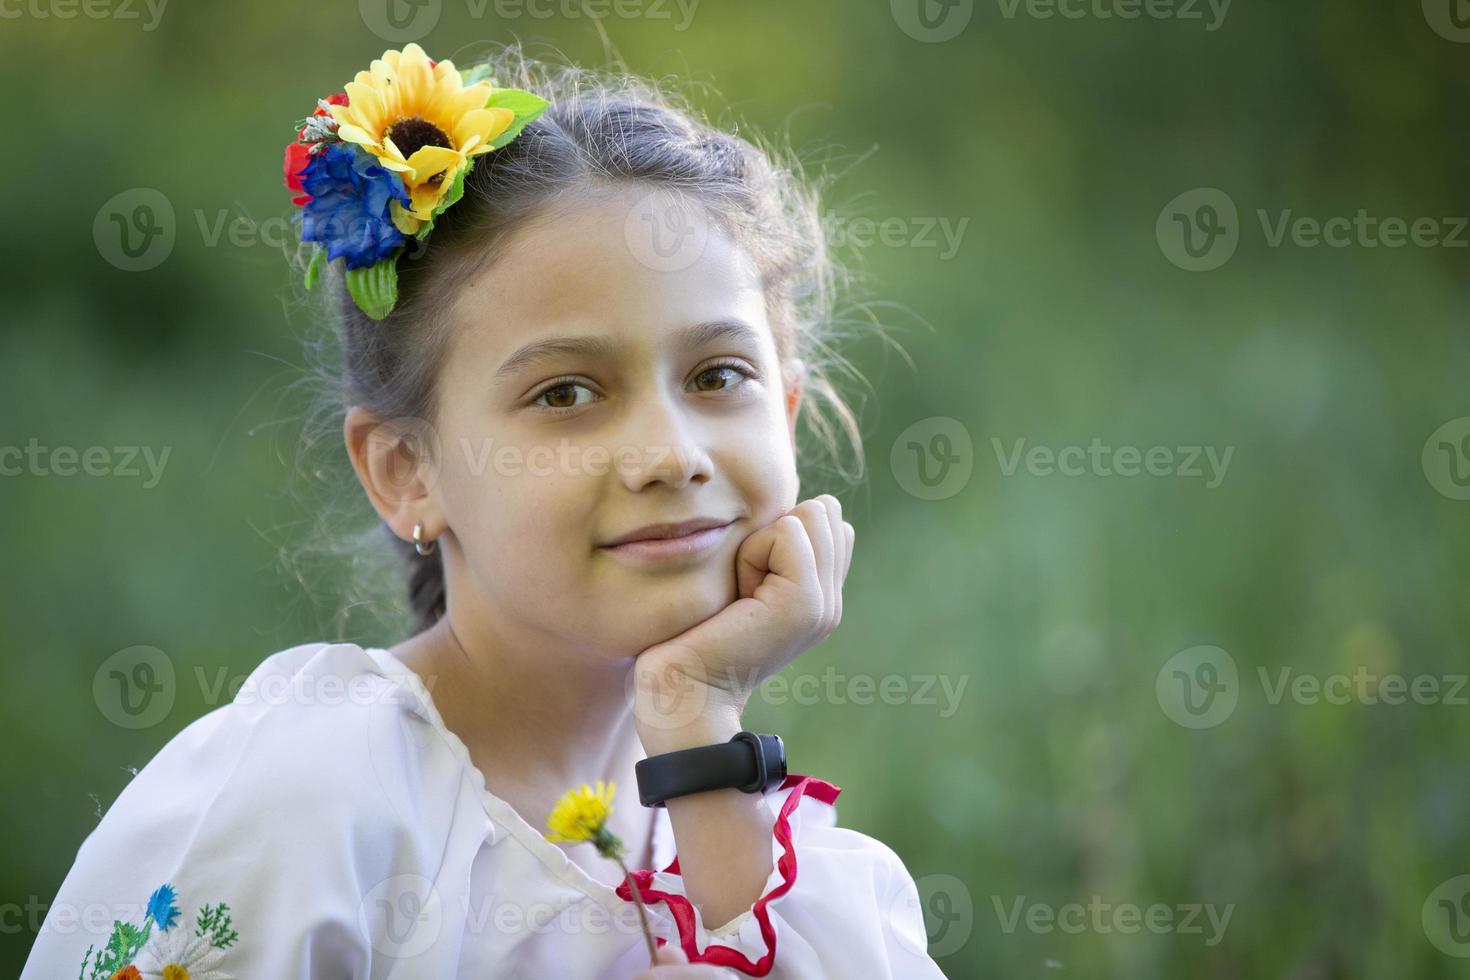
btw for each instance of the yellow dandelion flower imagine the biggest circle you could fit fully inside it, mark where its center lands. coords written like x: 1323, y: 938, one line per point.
x: 421, y: 122
x: 581, y: 815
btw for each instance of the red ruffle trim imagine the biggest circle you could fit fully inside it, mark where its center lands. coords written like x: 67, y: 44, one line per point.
x: 683, y: 911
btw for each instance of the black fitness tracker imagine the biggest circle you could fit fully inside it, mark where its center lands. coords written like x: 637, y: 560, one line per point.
x: 748, y: 762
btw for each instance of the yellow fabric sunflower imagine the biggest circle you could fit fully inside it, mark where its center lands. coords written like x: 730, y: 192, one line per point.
x: 421, y: 122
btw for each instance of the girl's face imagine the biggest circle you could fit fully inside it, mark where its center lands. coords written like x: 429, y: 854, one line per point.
x: 592, y: 386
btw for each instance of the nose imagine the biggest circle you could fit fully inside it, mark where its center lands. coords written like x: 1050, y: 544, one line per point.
x: 663, y: 444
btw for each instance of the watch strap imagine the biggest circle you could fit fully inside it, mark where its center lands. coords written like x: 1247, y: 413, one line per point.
x: 748, y: 762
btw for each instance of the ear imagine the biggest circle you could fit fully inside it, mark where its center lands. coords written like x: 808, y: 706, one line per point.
x: 396, y: 463
x: 795, y: 377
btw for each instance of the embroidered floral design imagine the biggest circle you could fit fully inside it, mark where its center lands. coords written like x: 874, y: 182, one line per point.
x: 172, y: 953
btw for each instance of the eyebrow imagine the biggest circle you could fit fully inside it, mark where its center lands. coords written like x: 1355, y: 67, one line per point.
x: 698, y: 335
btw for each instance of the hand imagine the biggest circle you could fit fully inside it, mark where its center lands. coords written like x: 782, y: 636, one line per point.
x: 789, y: 576
x: 672, y: 964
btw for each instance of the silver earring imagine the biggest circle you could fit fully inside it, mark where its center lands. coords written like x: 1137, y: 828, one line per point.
x: 418, y: 540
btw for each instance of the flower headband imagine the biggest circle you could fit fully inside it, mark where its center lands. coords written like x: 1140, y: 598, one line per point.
x: 375, y: 165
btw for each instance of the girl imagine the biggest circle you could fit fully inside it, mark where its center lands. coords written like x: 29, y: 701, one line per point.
x: 574, y: 406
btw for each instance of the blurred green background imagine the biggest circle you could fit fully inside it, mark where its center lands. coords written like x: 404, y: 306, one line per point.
x: 1076, y: 767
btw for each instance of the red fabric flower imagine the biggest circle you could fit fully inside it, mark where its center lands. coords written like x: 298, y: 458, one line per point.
x: 298, y: 154
x: 127, y: 973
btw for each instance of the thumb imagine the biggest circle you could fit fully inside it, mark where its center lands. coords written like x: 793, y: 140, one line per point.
x: 772, y: 548
x: 668, y: 955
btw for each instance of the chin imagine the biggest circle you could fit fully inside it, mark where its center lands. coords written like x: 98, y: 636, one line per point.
x: 654, y: 609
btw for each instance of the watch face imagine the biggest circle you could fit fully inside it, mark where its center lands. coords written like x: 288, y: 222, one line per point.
x: 776, y: 768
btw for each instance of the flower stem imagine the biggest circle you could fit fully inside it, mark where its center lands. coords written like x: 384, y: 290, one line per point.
x: 642, y: 915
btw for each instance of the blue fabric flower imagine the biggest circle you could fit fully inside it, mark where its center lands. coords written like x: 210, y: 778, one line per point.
x: 162, y: 908
x: 348, y: 211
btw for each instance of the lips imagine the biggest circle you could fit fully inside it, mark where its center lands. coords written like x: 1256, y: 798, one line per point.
x: 661, y: 532
x: 692, y: 546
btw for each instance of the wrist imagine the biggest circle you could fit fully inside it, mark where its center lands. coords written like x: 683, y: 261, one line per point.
x: 675, y: 707
x: 717, y: 723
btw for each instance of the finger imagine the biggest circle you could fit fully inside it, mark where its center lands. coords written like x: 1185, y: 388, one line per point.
x: 669, y: 953
x: 665, y: 958
x: 841, y: 554
x: 851, y: 539
x: 781, y: 548
x: 813, y: 514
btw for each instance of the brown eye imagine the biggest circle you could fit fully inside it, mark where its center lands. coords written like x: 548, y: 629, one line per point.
x: 556, y: 396
x: 715, y: 373
x: 563, y: 397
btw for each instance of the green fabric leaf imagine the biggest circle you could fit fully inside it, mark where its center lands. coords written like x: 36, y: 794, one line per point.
x: 375, y: 288
x: 473, y: 76
x: 526, y: 106
x: 314, y: 269
x: 519, y: 101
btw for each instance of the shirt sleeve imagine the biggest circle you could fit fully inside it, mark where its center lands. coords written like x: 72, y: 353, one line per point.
x: 261, y: 841
x: 837, y: 903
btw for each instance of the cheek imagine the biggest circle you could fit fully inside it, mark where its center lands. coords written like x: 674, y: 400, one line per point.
x: 512, y: 510
x: 763, y: 469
